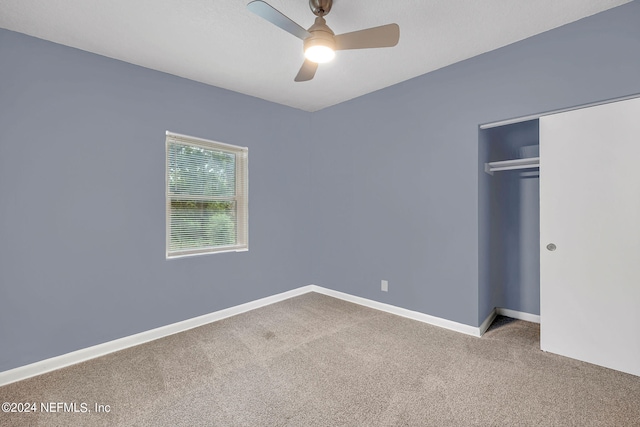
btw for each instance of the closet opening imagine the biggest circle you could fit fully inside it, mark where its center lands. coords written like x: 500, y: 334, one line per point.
x: 509, y: 221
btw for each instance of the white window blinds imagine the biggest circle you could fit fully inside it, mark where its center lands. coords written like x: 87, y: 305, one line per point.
x: 207, y: 197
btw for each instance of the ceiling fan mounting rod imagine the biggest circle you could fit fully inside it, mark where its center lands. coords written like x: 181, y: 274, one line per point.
x: 320, y: 7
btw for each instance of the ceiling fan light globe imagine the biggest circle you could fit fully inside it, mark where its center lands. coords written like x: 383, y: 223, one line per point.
x: 319, y: 54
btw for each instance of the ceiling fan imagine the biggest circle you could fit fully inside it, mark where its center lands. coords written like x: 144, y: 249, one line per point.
x: 319, y: 42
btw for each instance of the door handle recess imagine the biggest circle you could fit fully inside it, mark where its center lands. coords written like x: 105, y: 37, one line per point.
x: 551, y: 247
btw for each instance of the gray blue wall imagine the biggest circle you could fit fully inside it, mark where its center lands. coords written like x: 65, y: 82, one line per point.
x: 82, y: 199
x: 388, y: 190
x: 401, y: 166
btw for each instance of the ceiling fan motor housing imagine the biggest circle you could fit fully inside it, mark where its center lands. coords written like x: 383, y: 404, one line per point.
x: 321, y: 35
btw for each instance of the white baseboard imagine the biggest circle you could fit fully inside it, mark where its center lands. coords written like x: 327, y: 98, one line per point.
x: 68, y: 359
x: 82, y: 355
x: 521, y: 315
x: 415, y: 315
x: 488, y: 321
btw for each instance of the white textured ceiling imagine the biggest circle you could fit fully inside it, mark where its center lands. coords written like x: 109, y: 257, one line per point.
x: 221, y: 43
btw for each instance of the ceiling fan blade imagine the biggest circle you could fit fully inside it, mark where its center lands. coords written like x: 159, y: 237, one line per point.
x: 307, y: 71
x: 383, y: 36
x: 272, y: 15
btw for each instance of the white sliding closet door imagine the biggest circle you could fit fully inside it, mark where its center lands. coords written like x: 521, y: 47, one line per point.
x: 590, y: 211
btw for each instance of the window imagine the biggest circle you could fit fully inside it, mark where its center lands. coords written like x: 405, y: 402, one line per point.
x: 207, y: 196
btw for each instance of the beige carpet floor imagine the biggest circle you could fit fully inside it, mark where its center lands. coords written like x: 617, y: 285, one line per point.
x: 318, y: 361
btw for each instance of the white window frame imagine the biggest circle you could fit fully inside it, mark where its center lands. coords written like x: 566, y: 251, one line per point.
x: 241, y: 197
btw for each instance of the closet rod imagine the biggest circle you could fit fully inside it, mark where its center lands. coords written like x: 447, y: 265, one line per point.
x: 506, y: 165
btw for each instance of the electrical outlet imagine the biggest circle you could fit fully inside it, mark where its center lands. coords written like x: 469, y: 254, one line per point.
x: 385, y: 286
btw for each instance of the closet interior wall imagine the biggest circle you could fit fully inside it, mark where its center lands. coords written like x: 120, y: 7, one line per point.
x: 509, y: 222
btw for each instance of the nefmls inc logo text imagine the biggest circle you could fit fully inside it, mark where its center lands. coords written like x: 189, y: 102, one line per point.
x: 64, y: 407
